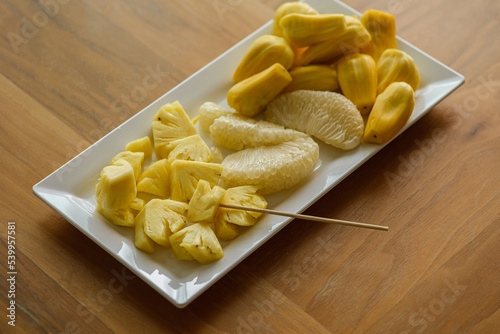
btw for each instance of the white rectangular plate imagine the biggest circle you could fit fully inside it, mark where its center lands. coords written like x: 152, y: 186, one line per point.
x: 70, y: 189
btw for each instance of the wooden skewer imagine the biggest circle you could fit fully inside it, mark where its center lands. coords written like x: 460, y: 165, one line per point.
x: 305, y: 217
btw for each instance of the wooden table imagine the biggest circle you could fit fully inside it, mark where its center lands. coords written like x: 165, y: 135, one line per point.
x: 63, y: 66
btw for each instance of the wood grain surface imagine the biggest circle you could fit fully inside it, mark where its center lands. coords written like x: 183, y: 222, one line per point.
x: 65, y: 64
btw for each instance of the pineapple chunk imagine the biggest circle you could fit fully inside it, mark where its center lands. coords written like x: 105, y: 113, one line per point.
x: 161, y: 218
x: 142, y: 241
x: 116, y: 188
x: 245, y: 196
x: 134, y: 158
x: 217, y: 156
x: 190, y: 148
x: 115, y: 191
x: 186, y: 174
x: 120, y: 217
x: 170, y: 123
x: 155, y: 179
x: 223, y: 229
x: 141, y: 145
x: 203, y: 205
x: 198, y: 242
x: 137, y: 204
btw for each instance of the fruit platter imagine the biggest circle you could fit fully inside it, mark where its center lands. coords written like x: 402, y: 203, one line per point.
x: 275, y: 122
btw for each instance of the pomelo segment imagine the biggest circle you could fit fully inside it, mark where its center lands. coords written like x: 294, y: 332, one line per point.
x: 328, y: 116
x: 271, y: 168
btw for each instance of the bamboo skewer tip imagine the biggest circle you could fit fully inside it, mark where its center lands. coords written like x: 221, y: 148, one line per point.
x: 306, y: 217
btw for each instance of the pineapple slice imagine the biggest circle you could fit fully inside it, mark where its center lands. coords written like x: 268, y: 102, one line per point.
x: 198, y: 242
x: 155, y: 179
x: 203, y: 205
x: 161, y: 218
x: 141, y: 145
x: 185, y: 175
x: 134, y: 158
x: 170, y: 123
x: 116, y: 187
x: 137, y: 204
x: 141, y: 240
x: 223, y: 229
x: 120, y: 217
x: 217, y: 156
x: 190, y: 148
x: 115, y: 191
x: 245, y: 196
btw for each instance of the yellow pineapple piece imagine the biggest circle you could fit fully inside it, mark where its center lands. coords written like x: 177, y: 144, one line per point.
x: 155, y: 179
x: 137, y: 204
x: 134, y: 158
x: 161, y: 218
x: 204, y: 202
x: 223, y: 229
x: 120, y: 217
x: 198, y: 242
x: 244, y: 196
x: 141, y: 240
x: 115, y: 191
x: 175, y: 241
x: 116, y: 187
x: 170, y: 123
x: 186, y: 174
x: 141, y: 145
x: 217, y: 156
x: 191, y: 148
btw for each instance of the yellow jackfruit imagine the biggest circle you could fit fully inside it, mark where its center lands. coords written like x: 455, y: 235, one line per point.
x: 382, y: 29
x: 264, y: 52
x: 391, y: 111
x: 250, y: 96
x: 304, y: 30
x: 396, y: 65
x: 313, y: 77
x: 354, y: 37
x: 289, y: 8
x: 357, y: 75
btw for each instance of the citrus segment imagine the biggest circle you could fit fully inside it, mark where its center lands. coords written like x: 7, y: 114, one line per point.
x: 328, y: 116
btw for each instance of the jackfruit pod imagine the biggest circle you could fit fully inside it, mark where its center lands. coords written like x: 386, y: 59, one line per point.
x: 350, y: 41
x: 391, y: 111
x: 382, y: 29
x: 396, y: 65
x: 289, y: 8
x: 357, y: 75
x: 304, y: 30
x: 250, y: 96
x: 264, y: 52
x: 313, y: 77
